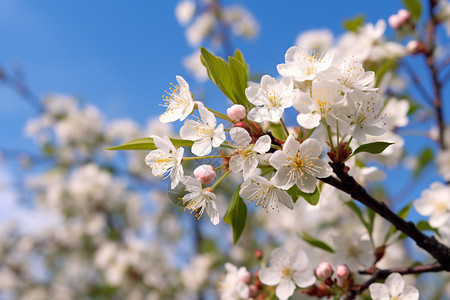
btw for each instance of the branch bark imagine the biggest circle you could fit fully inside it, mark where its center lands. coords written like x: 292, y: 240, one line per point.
x: 348, y: 184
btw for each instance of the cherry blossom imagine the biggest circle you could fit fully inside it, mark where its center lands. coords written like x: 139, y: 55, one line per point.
x: 166, y: 160
x: 393, y: 289
x: 179, y: 103
x: 204, y: 133
x: 299, y: 164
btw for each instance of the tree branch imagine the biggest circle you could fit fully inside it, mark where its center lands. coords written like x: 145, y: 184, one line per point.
x: 347, y: 183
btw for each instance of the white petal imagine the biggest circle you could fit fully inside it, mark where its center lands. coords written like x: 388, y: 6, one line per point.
x: 424, y: 207
x: 307, y: 183
x: 278, y: 159
x: 291, y: 146
x: 304, y: 278
x: 262, y: 145
x: 236, y: 163
x: 395, y: 284
x: 285, y: 289
x: 212, y: 211
x: 252, y: 93
x: 187, y: 131
x: 249, y: 167
x: 240, y: 136
x: 269, y: 276
x: 285, y: 198
x: 409, y: 293
x: 310, y: 148
x: 379, y: 291
x: 438, y: 218
x: 309, y: 121
x: 207, y: 116
x: 202, y: 147
x: 218, y: 136
x: 284, y: 178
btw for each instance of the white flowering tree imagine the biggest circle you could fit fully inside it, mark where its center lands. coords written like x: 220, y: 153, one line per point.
x: 328, y: 227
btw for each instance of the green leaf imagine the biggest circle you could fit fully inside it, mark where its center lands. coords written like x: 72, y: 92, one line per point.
x: 236, y: 215
x: 385, y: 67
x: 354, y: 23
x: 240, y: 57
x: 240, y: 78
x: 316, y: 242
x: 358, y: 213
x: 218, y: 72
x: 424, y: 159
x: 425, y: 226
x: 403, y: 213
x: 373, y: 148
x: 311, y: 198
x: 148, y: 144
x: 414, y: 7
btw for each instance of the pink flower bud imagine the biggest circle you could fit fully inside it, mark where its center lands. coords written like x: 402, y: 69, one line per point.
x: 245, y: 277
x: 404, y: 15
x: 253, y: 291
x: 236, y: 112
x: 342, y: 271
x: 412, y: 47
x: 395, y: 22
x: 324, y: 270
x: 205, y: 174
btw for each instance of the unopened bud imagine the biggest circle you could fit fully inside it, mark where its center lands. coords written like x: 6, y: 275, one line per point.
x: 253, y: 291
x: 395, y: 22
x: 404, y: 15
x: 245, y: 277
x: 324, y: 270
x: 342, y: 271
x: 258, y: 254
x: 237, y: 112
x: 205, y: 174
x: 412, y: 47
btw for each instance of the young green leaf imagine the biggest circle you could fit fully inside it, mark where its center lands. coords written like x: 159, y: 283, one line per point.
x: 414, y: 7
x: 236, y: 215
x: 218, y: 72
x: 311, y: 198
x: 358, y: 213
x: 424, y: 159
x: 240, y: 79
x: 424, y: 226
x: 373, y: 148
x: 316, y: 242
x: 354, y: 23
x: 148, y: 144
x: 403, y: 213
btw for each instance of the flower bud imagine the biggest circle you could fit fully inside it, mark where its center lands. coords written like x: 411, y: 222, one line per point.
x: 205, y: 174
x: 342, y: 271
x: 395, y: 22
x: 237, y: 112
x: 253, y: 291
x: 404, y: 15
x: 258, y: 254
x: 245, y: 277
x: 324, y: 270
x: 412, y: 47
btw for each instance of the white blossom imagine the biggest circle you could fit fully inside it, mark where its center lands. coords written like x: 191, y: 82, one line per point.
x: 245, y: 157
x: 179, y: 103
x: 299, y: 164
x: 364, y: 114
x: 393, y: 289
x: 166, y: 160
x: 184, y: 11
x: 301, y: 65
x: 263, y: 192
x: 234, y: 285
x: 285, y: 271
x: 435, y: 202
x: 270, y: 98
x: 199, y: 198
x: 204, y: 133
x: 322, y: 102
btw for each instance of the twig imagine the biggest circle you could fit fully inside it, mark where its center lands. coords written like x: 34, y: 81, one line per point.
x: 347, y: 183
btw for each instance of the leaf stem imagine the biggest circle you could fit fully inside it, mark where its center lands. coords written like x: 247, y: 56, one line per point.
x: 220, y: 179
x: 202, y: 157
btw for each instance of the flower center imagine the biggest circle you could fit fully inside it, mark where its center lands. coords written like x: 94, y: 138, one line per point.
x: 286, y: 272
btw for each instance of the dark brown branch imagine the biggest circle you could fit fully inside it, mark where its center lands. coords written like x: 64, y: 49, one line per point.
x: 429, y: 54
x: 347, y: 183
x: 384, y: 273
